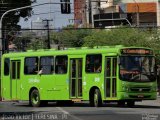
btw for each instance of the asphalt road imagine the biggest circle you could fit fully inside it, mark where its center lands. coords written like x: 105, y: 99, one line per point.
x: 146, y: 110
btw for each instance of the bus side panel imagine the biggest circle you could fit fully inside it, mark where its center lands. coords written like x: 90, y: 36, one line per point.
x: 54, y: 86
x: 62, y: 87
x: 23, y: 84
x: 85, y: 80
x: 6, y: 84
x: 91, y: 80
x: 51, y: 87
x: 46, y: 86
x: 6, y: 88
x: 27, y: 83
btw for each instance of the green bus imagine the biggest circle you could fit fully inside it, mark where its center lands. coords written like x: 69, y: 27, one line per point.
x: 99, y: 74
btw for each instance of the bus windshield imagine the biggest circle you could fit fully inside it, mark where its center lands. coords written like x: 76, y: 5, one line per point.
x: 137, y: 68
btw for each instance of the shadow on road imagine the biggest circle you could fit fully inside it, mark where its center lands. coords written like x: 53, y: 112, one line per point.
x: 53, y: 104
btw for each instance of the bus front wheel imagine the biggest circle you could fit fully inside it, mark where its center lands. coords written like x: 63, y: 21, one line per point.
x: 96, y: 100
x: 35, y: 98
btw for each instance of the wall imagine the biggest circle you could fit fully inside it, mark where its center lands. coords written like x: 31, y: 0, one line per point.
x: 141, y: 7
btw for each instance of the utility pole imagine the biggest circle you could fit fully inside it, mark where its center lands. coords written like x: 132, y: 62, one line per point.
x: 137, y: 13
x: 48, y: 33
x: 158, y: 13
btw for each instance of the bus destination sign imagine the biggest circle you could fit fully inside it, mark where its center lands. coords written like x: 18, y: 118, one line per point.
x: 136, y: 51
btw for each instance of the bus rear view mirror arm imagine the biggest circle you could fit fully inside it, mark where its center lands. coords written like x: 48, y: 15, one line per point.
x: 40, y: 72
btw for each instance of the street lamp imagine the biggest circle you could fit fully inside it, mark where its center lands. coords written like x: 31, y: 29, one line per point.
x: 2, y: 20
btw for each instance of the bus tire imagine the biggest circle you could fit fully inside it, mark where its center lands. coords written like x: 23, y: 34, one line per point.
x: 96, y: 99
x: 131, y: 103
x: 35, y: 98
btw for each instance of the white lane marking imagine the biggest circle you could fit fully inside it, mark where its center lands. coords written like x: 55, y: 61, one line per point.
x: 65, y: 112
x: 60, y: 109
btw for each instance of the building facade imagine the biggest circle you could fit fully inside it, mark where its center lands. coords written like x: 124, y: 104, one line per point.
x: 38, y: 25
x: 138, y: 13
x: 103, y: 13
x: 79, y: 13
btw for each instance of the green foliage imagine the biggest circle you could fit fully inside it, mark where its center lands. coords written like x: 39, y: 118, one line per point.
x: 36, y: 44
x: 123, y: 36
x: 117, y: 36
x: 12, y: 18
x: 70, y: 38
x: 28, y: 41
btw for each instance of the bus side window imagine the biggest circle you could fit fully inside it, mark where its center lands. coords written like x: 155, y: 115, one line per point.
x: 6, y: 66
x: 61, y: 64
x: 47, y: 65
x: 31, y: 65
x: 94, y: 63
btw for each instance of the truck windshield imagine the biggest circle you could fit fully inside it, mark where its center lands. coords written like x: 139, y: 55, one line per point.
x: 137, y: 68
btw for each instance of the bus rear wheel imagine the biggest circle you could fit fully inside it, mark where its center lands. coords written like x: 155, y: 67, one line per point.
x: 35, y: 98
x: 96, y: 100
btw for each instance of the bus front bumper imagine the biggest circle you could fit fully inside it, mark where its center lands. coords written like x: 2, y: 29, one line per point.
x: 137, y: 96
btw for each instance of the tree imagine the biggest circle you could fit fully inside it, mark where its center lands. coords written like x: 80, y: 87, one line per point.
x: 28, y: 40
x: 70, y: 37
x: 117, y: 36
x: 11, y: 19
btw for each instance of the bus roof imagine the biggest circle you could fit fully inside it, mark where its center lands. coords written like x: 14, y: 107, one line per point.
x: 115, y: 50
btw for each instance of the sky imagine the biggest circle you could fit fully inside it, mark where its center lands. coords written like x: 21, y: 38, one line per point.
x: 54, y: 12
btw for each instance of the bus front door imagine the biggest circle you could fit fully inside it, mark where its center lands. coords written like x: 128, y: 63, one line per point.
x: 75, y: 78
x: 110, y: 77
x: 15, y: 78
